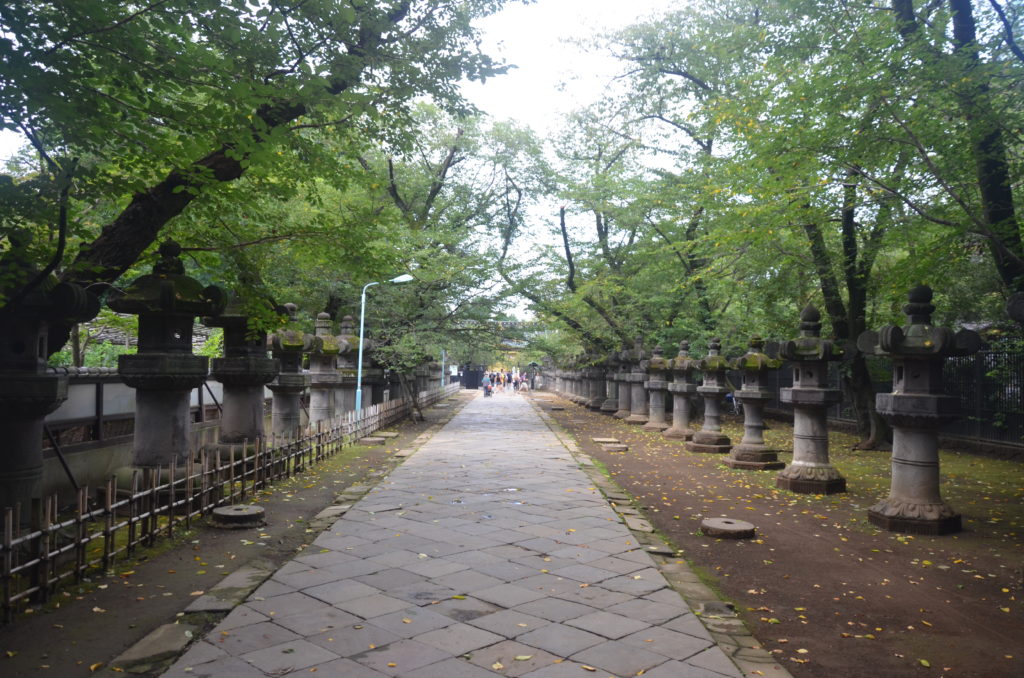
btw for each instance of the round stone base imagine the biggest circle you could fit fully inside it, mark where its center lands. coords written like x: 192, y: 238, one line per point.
x: 804, y: 486
x: 706, y: 448
x: 621, y: 414
x: 636, y: 419
x: 946, y: 525
x: 239, y: 517
x: 677, y: 434
x: 747, y: 465
x: 727, y: 528
x: 658, y: 426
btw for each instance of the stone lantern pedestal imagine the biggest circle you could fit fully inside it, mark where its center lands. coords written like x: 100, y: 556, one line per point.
x: 625, y: 390
x: 597, y: 395
x: 323, y: 374
x: 638, y: 406
x: 752, y: 453
x: 810, y: 471
x: 345, y: 395
x: 682, y: 389
x: 288, y: 346
x: 164, y: 370
x: 656, y: 387
x: 611, y: 384
x: 710, y: 439
x: 244, y: 370
x: 915, y: 409
x: 28, y: 390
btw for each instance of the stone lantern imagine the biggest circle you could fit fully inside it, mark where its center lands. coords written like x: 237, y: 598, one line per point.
x: 595, y: 380
x: 710, y: 438
x: 288, y: 346
x: 323, y: 371
x: 682, y: 388
x: 164, y: 370
x: 244, y: 370
x: 622, y: 377
x: 638, y: 395
x: 656, y: 387
x: 915, y: 409
x: 345, y: 400
x: 752, y: 453
x: 611, y: 384
x: 810, y: 471
x: 28, y: 390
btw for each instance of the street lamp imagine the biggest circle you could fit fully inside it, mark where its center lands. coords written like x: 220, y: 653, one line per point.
x: 405, y: 277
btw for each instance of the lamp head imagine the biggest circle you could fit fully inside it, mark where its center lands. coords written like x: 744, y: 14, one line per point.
x: 405, y: 277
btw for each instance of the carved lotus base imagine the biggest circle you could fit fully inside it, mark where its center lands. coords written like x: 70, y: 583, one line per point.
x: 913, y: 518
x: 805, y: 479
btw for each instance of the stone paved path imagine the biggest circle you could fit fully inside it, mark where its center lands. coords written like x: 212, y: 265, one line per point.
x: 486, y: 553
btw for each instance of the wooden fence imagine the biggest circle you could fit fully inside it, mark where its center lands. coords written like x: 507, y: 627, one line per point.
x: 36, y: 561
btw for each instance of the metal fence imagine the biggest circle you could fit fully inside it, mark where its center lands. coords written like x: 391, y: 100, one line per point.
x: 35, y: 561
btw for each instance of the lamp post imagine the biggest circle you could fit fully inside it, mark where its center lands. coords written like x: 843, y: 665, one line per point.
x: 405, y: 277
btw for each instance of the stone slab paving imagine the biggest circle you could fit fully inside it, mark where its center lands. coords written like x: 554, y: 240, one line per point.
x: 488, y: 552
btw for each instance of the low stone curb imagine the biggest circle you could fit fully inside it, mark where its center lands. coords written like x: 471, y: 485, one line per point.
x: 230, y: 591
x: 163, y: 643
x: 717, y: 616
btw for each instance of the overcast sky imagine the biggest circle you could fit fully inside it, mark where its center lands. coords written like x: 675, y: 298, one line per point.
x: 552, y: 77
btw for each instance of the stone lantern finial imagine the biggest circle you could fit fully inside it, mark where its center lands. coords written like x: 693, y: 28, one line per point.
x: 810, y: 321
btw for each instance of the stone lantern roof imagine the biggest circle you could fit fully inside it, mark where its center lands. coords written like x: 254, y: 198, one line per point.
x: 809, y: 346
x: 755, y: 359
x: 713, y: 361
x: 167, y: 302
x: 919, y: 338
x: 327, y: 343
x: 658, y: 362
x: 291, y: 339
x: 683, y: 364
x: 168, y: 290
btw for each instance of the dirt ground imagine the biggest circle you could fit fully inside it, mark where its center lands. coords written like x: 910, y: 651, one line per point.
x: 819, y: 586
x: 83, y: 628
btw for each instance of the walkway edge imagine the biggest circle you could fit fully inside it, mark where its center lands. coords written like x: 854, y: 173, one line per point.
x: 717, y: 616
x: 168, y: 642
